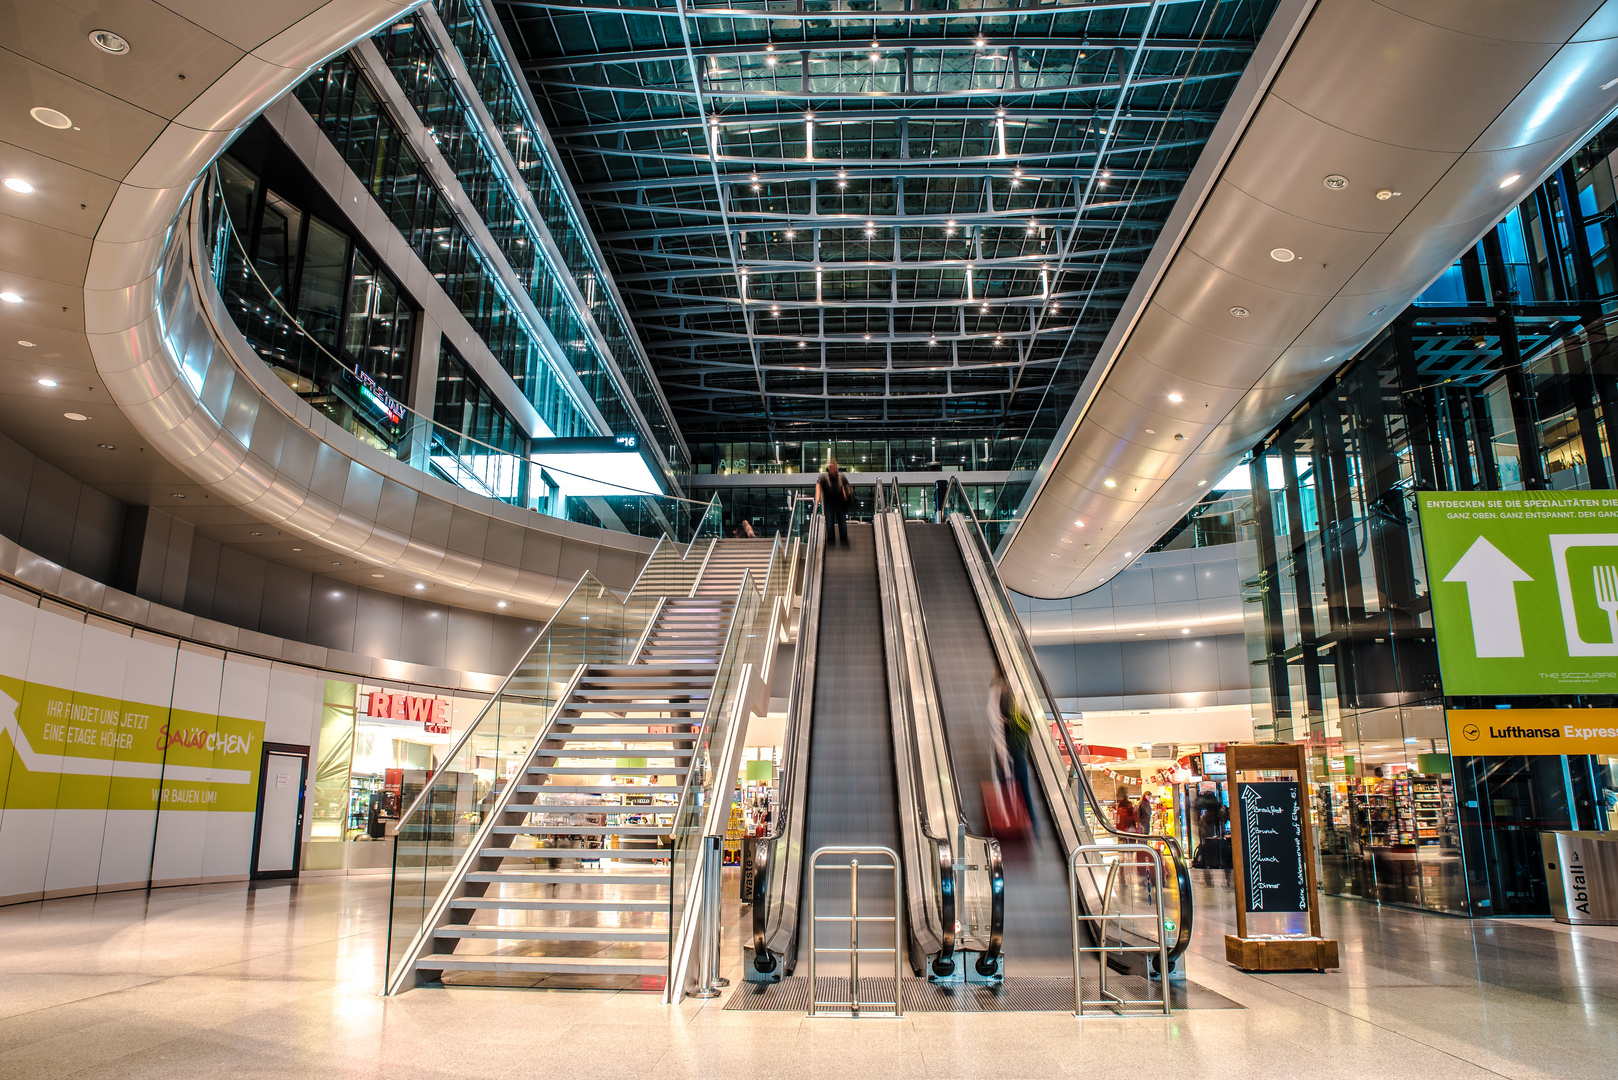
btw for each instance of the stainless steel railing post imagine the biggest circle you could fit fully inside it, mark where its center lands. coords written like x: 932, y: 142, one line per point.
x: 855, y: 1006
x: 1103, y: 949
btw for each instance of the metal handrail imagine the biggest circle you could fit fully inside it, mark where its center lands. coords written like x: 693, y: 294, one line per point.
x: 854, y: 918
x: 1014, y: 627
x: 799, y: 718
x: 1101, y: 949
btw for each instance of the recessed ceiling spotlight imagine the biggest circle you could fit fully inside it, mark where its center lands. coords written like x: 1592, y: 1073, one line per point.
x: 1176, y: 398
x: 75, y: 416
x: 105, y: 446
x: 1387, y: 193
x: 25, y: 344
x: 1109, y: 483
x: 10, y: 297
x: 1512, y: 179
x: 109, y: 42
x: 51, y: 118
x: 176, y: 494
x: 337, y: 562
x: 500, y: 603
x: 1335, y: 182
x: 19, y: 185
x: 1609, y: 84
x: 1240, y: 312
x: 48, y: 382
x: 377, y: 575
x: 1283, y: 254
x: 1185, y: 630
x: 420, y: 586
x: 1067, y: 539
x: 1200, y: 483
x: 1129, y: 554
x: 1289, y: 397
x: 1079, y: 524
x: 255, y: 532
x: 297, y: 549
x: 1151, y: 431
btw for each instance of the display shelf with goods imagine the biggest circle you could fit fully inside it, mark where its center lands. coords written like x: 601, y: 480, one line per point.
x: 735, y: 829
x: 1373, y: 816
x: 362, y: 790
x: 1433, y: 808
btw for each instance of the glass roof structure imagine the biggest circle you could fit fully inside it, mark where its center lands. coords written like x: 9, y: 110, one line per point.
x: 852, y: 217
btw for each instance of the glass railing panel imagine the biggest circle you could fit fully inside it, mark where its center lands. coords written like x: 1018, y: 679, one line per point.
x: 322, y: 376
x: 704, y: 783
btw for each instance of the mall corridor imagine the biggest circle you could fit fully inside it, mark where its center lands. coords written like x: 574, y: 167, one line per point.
x: 280, y: 981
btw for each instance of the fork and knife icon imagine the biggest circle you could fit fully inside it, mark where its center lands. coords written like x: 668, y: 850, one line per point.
x: 1606, y: 579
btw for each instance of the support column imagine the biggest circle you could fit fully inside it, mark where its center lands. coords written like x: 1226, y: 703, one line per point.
x: 424, y: 351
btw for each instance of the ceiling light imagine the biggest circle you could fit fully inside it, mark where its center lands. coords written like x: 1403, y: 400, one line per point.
x: 1240, y: 312
x: 377, y: 575
x: 176, y: 494
x: 1185, y: 630
x: 803, y: 344
x: 255, y: 532
x: 1289, y: 397
x: 48, y: 382
x: 10, y: 297
x: 420, y: 586
x: 1067, y: 539
x: 1200, y: 483
x: 336, y: 562
x: 25, y: 344
x: 1335, y: 182
x: 1282, y: 254
x: 51, y: 118
x: 19, y: 185
x: 1109, y: 483
x: 1512, y: 179
x: 75, y: 416
x: 105, y: 446
x: 1609, y: 84
x: 109, y: 42
x: 979, y: 43
x: 297, y: 549
x: 1128, y: 554
x: 1080, y: 524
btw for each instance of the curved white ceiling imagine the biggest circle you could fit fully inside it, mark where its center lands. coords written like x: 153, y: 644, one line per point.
x: 1440, y: 101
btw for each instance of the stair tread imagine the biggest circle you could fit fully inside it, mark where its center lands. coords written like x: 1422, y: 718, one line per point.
x: 556, y: 877
x: 584, y: 965
x: 623, y: 854
x: 499, y: 931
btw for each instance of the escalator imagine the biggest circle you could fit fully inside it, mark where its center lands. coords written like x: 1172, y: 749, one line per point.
x: 972, y: 631
x: 1037, y: 933
x: 841, y: 780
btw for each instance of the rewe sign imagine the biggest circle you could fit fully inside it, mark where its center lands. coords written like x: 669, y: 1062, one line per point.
x: 431, y: 713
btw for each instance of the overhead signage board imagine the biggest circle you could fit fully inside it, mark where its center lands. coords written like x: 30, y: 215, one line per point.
x: 1502, y: 732
x: 1525, y: 590
x: 1273, y: 858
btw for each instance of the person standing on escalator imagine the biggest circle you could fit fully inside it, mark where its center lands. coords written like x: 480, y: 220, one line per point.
x: 834, y: 495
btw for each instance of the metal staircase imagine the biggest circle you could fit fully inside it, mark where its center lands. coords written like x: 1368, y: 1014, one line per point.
x: 571, y: 883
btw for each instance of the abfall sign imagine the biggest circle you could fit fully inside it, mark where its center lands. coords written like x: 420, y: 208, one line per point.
x: 431, y: 713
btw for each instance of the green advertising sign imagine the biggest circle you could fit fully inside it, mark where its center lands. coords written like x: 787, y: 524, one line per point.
x: 72, y: 751
x: 1525, y: 590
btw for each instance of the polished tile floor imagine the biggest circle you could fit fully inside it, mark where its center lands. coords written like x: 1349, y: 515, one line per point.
x: 281, y: 980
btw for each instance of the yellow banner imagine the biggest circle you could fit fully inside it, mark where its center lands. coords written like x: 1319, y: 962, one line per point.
x: 1501, y: 732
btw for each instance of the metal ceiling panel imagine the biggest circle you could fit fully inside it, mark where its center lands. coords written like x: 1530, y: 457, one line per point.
x: 109, y: 135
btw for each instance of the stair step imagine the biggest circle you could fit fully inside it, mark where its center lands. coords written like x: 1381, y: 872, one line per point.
x: 639, y: 770
x: 586, y: 808
x: 581, y: 830
x: 599, y: 755
x: 578, y: 789
x: 573, y: 904
x: 574, y: 853
x: 553, y: 933
x: 552, y: 877
x: 577, y: 965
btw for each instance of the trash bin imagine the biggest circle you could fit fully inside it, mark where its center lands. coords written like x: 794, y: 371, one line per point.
x: 1581, y: 870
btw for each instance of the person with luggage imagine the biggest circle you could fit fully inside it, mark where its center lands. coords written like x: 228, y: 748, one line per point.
x: 834, y: 495
x: 1009, y: 805
x: 1209, y: 813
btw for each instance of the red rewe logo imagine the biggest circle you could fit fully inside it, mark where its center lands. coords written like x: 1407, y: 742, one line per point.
x: 431, y: 713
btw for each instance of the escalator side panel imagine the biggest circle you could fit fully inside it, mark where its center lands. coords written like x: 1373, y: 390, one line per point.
x: 852, y: 797
x: 1038, y: 933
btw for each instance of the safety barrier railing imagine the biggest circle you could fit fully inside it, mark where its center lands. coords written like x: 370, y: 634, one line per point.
x: 1111, y: 861
x: 442, y: 818
x: 1051, y: 737
x: 855, y: 1006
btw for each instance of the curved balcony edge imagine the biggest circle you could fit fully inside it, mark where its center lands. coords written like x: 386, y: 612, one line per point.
x: 183, y: 375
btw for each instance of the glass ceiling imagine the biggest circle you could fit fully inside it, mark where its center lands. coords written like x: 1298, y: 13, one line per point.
x: 873, y: 217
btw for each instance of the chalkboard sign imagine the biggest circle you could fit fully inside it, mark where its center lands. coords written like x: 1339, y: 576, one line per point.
x: 1272, y: 846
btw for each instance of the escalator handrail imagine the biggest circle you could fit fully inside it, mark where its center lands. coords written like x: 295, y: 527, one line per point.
x: 950, y: 903
x: 800, y: 703
x: 1182, y: 872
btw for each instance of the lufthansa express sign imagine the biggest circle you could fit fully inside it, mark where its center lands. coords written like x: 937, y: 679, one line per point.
x: 1500, y: 732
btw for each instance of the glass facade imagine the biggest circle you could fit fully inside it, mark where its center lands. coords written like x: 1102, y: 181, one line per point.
x: 287, y: 263
x: 349, y: 110
x: 991, y: 454
x: 420, y: 73
x: 1503, y: 376
x: 473, y: 430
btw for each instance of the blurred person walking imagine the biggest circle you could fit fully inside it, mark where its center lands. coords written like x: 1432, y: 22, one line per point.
x: 834, y: 495
x: 1009, y: 731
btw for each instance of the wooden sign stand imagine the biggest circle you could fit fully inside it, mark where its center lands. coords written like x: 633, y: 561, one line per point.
x: 1275, y: 952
